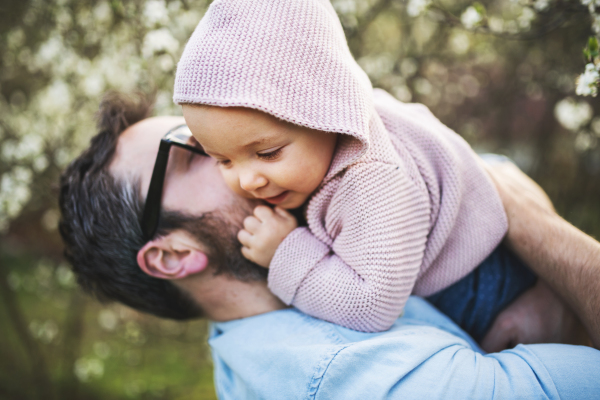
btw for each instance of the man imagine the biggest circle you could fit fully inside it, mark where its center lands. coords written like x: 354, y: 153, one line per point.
x: 192, y: 267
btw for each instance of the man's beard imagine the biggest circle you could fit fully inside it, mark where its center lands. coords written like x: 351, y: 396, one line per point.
x: 217, y: 230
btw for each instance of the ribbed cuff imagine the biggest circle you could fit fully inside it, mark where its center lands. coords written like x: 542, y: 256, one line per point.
x: 299, y: 252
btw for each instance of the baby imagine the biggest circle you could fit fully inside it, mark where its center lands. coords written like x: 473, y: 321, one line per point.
x: 395, y: 202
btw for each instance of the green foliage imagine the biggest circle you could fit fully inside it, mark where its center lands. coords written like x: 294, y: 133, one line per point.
x: 59, y: 344
x: 590, y: 52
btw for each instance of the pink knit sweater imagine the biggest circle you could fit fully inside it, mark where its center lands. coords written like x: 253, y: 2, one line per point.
x: 405, y: 207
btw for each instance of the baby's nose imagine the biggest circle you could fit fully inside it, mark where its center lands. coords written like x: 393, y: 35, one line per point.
x: 251, y: 181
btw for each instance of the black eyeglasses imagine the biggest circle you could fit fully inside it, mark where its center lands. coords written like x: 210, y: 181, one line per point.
x: 180, y: 136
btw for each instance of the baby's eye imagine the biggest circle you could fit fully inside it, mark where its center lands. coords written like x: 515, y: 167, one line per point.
x: 271, y: 155
x: 224, y: 163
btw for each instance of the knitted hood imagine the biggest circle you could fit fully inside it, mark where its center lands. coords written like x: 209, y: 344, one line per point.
x: 288, y: 58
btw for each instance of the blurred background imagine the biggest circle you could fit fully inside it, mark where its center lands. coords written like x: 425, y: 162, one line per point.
x: 501, y: 73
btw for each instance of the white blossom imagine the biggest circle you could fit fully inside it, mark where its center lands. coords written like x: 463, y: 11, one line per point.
x: 93, y: 84
x: 14, y: 193
x: 541, y: 5
x: 166, y: 62
x: 417, y: 7
x: 423, y: 86
x: 496, y: 24
x: 470, y: 18
x: 402, y: 93
x: 187, y: 21
x: 409, y: 67
x: 102, y: 12
x: 50, y: 50
x: 159, y: 40
x: 108, y: 320
x: 585, y: 141
x: 86, y: 369
x: 596, y: 23
x: 378, y: 65
x: 587, y: 83
x: 573, y: 114
x: 40, y: 163
x: 50, y: 125
x: 64, y: 276
x: 344, y: 6
x: 527, y: 15
x: 45, y: 332
x: 155, y: 12
x: 56, y: 98
x: 460, y: 42
x: 591, y: 4
x: 29, y: 147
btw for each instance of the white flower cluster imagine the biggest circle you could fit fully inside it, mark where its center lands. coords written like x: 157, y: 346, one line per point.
x: 155, y: 12
x: 573, y: 114
x: 587, y: 83
x: 14, y: 193
x: 596, y: 24
x: 470, y: 18
x: 417, y: 7
x: 158, y: 41
x: 576, y: 116
x: 344, y: 6
x: 86, y: 369
x: 527, y: 16
x: 592, y: 5
x: 45, y: 332
x: 541, y: 5
x: 47, y: 128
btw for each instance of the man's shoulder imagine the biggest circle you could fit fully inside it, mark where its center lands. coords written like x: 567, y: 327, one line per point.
x: 271, y: 355
x: 289, y: 353
x: 286, y: 355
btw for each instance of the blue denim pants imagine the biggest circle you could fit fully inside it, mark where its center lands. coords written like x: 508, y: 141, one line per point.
x: 475, y: 301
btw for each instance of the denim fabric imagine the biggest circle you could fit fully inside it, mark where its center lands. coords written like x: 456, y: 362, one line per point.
x: 474, y: 301
x: 289, y: 355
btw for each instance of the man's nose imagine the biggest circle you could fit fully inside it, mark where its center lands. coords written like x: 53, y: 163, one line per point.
x: 251, y: 180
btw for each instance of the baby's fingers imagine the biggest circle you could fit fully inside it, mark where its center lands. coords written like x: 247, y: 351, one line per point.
x: 252, y: 255
x: 287, y: 218
x: 252, y: 224
x: 245, y: 238
x: 247, y: 253
x: 263, y: 213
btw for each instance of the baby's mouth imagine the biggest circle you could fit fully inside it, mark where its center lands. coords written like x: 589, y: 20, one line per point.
x: 277, y: 199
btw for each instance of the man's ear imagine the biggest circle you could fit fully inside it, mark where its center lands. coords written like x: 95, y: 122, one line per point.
x: 174, y: 256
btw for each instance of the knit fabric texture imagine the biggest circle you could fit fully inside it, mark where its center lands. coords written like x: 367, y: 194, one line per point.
x: 405, y: 206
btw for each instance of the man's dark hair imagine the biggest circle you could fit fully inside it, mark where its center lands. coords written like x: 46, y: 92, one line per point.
x: 100, y: 225
x: 100, y: 221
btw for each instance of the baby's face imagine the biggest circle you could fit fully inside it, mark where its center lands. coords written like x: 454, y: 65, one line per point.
x: 260, y: 156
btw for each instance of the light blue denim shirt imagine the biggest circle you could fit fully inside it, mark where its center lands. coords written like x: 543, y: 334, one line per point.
x: 289, y: 355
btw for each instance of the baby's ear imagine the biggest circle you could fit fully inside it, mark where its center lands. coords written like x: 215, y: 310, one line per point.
x: 172, y: 257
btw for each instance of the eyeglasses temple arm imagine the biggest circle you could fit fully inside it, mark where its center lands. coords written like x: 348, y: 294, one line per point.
x: 151, y: 212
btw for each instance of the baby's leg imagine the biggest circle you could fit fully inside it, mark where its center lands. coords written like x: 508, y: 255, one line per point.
x: 475, y: 301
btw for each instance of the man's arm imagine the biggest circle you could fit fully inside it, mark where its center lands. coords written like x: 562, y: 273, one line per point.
x: 565, y: 257
x: 423, y: 363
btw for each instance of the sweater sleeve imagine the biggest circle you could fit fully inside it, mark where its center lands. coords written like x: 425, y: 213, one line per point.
x: 377, y: 220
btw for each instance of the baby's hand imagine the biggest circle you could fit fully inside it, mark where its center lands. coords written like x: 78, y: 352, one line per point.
x: 263, y: 232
